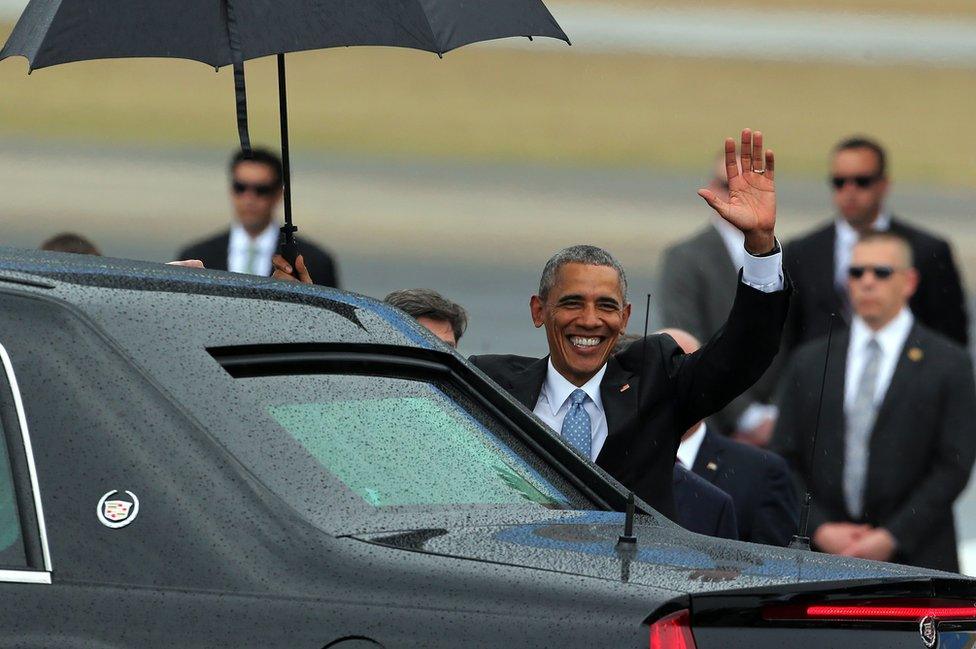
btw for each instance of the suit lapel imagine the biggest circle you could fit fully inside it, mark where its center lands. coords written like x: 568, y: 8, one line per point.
x: 709, y: 458
x: 911, y: 358
x: 527, y: 385
x: 618, y: 391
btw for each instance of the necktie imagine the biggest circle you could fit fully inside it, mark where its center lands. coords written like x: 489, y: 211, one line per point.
x: 576, y: 425
x: 252, y: 258
x: 860, y: 421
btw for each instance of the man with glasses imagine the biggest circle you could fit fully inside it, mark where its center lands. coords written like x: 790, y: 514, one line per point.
x: 818, y: 262
x: 252, y: 240
x: 897, y: 432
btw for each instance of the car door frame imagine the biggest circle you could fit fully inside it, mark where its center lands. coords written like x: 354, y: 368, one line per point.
x: 30, y: 505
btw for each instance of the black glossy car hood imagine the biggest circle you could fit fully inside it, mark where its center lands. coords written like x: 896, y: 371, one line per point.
x: 668, y: 557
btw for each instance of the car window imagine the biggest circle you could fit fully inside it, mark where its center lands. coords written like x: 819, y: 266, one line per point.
x: 401, y: 442
x: 12, y: 554
x: 410, y: 445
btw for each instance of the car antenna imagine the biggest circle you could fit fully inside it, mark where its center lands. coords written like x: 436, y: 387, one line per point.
x: 801, y: 541
x: 628, y: 536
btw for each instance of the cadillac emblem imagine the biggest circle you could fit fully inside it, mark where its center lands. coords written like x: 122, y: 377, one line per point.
x: 929, y: 631
x: 117, y: 512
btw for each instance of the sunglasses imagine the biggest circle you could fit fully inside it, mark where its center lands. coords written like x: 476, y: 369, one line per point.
x: 260, y: 190
x: 862, y: 182
x: 881, y: 272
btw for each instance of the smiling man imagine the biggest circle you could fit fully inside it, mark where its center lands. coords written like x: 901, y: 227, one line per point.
x: 628, y: 412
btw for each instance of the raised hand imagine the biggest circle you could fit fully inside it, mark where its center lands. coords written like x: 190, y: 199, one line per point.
x: 752, y: 194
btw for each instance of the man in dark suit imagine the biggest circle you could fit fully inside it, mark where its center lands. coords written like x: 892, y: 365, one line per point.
x: 702, y: 507
x: 627, y: 412
x: 817, y: 262
x: 699, y: 277
x: 897, y: 438
x: 252, y: 240
x: 758, y: 481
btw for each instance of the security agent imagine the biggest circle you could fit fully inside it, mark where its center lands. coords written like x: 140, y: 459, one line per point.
x: 252, y: 240
x: 897, y: 438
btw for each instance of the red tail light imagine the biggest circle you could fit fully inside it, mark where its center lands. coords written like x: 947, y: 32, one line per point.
x: 892, y: 610
x: 673, y: 632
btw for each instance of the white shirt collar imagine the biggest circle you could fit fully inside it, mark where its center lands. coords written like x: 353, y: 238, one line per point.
x: 558, y: 388
x: 891, y: 337
x: 688, y: 450
x: 266, y: 240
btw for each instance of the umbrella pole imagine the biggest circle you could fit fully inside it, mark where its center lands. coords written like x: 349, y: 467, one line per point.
x: 287, y: 246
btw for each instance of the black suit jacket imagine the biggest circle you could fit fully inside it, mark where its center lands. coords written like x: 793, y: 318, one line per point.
x: 921, y: 450
x: 939, y: 302
x: 702, y: 507
x: 672, y: 389
x: 213, y: 253
x: 759, y: 483
x: 698, y: 285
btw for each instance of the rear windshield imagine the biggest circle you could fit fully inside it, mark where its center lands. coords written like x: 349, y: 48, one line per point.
x: 338, y: 447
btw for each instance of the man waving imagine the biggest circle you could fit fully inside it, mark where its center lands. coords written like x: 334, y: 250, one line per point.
x: 592, y: 398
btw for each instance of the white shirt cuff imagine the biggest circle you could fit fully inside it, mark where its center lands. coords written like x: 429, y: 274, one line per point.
x: 764, y: 273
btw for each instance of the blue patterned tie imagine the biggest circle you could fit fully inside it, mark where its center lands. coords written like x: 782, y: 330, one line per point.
x: 576, y: 425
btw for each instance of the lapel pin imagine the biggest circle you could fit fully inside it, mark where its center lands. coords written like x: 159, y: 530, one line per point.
x: 915, y: 354
x: 711, y: 466
x: 625, y: 388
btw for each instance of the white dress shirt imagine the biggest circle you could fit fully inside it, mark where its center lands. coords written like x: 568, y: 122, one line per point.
x: 238, y: 250
x: 553, y: 404
x: 891, y: 339
x: 844, y: 244
x: 733, y: 239
x: 689, y: 447
x: 762, y: 273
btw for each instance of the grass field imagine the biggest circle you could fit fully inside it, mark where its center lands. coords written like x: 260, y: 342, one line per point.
x: 551, y: 107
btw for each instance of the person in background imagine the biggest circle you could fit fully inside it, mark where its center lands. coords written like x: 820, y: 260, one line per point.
x: 758, y: 481
x: 252, y: 240
x: 70, y: 242
x: 818, y: 262
x: 897, y: 435
x: 702, y: 507
x: 698, y: 282
x: 445, y: 319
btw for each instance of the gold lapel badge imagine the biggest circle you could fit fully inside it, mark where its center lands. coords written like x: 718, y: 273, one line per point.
x: 625, y: 388
x: 711, y: 466
x: 915, y: 354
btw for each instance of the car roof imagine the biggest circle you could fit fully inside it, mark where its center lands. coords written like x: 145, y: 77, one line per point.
x: 265, y: 310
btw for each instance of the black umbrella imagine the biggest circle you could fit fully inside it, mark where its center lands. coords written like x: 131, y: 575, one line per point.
x: 229, y: 32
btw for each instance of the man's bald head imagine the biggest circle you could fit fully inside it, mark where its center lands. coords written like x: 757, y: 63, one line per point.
x: 685, y: 340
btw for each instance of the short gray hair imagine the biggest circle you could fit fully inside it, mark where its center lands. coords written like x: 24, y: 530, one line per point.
x: 425, y: 303
x: 580, y: 254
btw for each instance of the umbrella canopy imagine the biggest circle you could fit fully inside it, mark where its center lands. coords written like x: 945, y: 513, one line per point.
x: 224, y: 32
x: 51, y: 32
